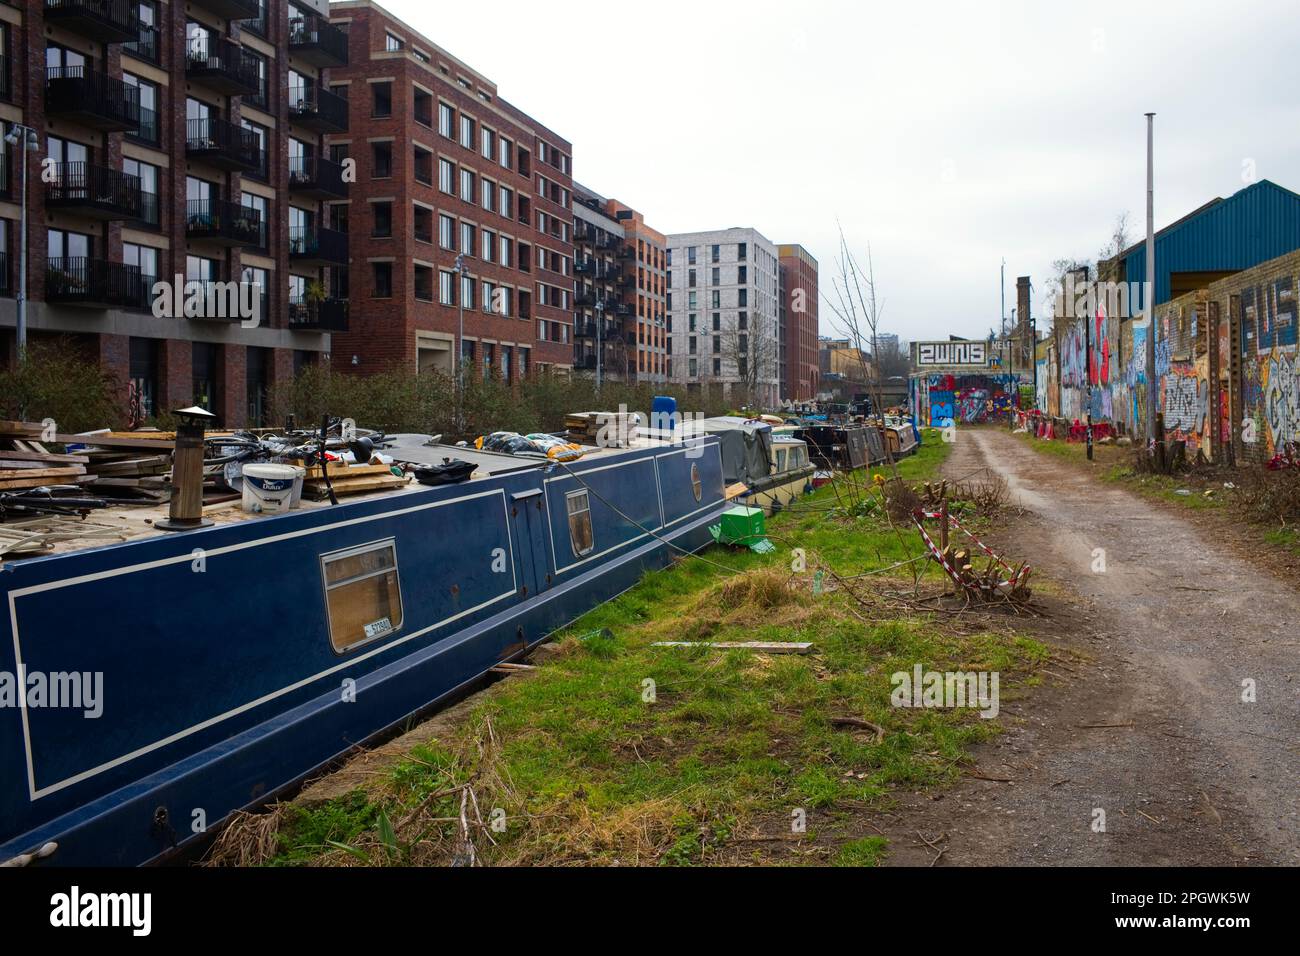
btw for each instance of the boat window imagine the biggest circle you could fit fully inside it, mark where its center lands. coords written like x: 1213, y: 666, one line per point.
x: 580, y: 536
x: 362, y: 594
x: 695, y: 482
x: 780, y: 460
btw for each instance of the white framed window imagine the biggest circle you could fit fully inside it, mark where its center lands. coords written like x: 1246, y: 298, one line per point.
x: 581, y: 538
x: 363, y: 594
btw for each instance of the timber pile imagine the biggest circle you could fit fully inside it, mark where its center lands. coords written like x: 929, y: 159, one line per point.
x: 587, y: 428
x: 351, y: 480
x: 26, y: 463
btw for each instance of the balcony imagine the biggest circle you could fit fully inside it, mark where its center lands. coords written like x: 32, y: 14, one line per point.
x: 627, y: 251
x: 145, y: 46
x: 96, y: 284
x: 585, y: 362
x: 623, y: 310
x: 316, y: 177
x: 585, y: 300
x: 223, y: 144
x: 104, y: 21
x: 328, y: 315
x: 318, y: 109
x: 317, y: 246
x: 94, y: 191
x: 230, y: 9
x: 224, y: 223
x: 315, y: 40
x: 221, y: 65
x: 91, y: 99
x: 584, y: 235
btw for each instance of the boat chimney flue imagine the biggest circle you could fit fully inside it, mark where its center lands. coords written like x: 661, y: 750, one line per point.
x: 186, y: 511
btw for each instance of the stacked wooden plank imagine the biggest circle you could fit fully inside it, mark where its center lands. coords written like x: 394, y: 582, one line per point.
x: 349, y: 480
x: 612, y: 429
x: 127, y: 465
x: 26, y: 463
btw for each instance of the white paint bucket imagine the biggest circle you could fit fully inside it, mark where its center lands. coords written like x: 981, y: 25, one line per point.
x: 269, y: 489
x: 300, y: 475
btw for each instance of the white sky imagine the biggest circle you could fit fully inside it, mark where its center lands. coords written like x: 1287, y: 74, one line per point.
x: 948, y: 135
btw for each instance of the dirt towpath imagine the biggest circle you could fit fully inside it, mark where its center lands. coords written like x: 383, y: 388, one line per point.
x: 1147, y: 723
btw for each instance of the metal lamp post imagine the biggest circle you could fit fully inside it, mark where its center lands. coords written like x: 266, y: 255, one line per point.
x: 31, y: 143
x: 460, y: 344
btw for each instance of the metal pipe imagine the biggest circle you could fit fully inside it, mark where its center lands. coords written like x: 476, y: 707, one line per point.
x: 1149, y: 293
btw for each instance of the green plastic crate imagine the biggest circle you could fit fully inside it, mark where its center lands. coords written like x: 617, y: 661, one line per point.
x: 741, y: 524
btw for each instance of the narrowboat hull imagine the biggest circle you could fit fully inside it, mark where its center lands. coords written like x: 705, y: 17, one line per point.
x: 221, y: 681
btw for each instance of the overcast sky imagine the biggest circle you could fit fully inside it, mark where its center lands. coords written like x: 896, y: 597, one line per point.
x: 949, y: 136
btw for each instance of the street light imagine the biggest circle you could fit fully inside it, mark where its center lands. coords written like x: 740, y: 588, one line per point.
x: 31, y: 142
x: 460, y: 343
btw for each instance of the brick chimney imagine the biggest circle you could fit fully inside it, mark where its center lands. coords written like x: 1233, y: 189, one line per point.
x: 1022, y: 302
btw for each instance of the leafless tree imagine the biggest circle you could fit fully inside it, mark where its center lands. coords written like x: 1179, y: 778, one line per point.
x: 752, y: 352
x: 856, y: 309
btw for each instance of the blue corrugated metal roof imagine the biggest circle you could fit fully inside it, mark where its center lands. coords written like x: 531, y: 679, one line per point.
x: 1259, y: 223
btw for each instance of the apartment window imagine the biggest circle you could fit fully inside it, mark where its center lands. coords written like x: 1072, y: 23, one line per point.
x: 717, y: 344
x: 445, y: 120
x: 505, y: 150
x: 467, y: 132
x: 693, y: 368
x: 382, y: 274
x: 507, y: 258
x: 381, y: 160
x: 691, y: 344
x: 422, y: 226
x: 422, y: 104
x: 446, y: 177
x: 717, y: 366
x: 488, y: 297
x: 691, y: 322
x: 690, y: 255
x: 507, y: 202
x: 259, y: 98
x: 743, y: 322
x: 144, y: 258
x: 717, y: 299
x: 446, y: 287
x: 383, y: 219
x: 742, y: 275
x: 717, y: 321
x: 716, y: 254
x: 148, y: 176
x: 363, y: 594
x: 447, y: 232
x: 467, y: 291
x: 744, y: 298
x: 467, y: 185
x: 148, y: 95
x: 717, y: 276
x: 489, y: 246
x: 393, y: 44
x: 381, y: 99
x: 467, y: 238
x: 742, y: 252
x: 581, y: 538
x: 487, y: 142
x: 423, y: 283
x: 259, y: 206
x: 423, y: 166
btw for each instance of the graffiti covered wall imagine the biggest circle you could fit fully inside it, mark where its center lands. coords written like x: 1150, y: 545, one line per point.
x: 1270, y: 367
x: 971, y: 399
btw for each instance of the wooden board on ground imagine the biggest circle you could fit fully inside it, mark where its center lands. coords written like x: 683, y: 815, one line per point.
x: 759, y: 647
x: 37, y: 456
x: 317, y: 490
x: 341, y: 472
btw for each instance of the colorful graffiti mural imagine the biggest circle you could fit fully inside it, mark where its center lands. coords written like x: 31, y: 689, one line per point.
x: 971, y: 399
x: 1185, y: 403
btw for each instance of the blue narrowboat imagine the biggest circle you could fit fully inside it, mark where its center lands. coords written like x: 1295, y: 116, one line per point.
x: 237, y: 660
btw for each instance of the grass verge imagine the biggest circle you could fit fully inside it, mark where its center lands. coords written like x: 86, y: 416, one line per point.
x: 619, y: 753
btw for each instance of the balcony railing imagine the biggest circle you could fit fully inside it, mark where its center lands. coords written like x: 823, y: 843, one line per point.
x: 96, y: 283
x: 224, y: 144
x: 317, y: 177
x: 328, y: 315
x: 222, y: 65
x: 257, y: 24
x: 95, y: 191
x: 92, y: 99
x: 225, y: 223
x: 317, y: 41
x: 318, y: 246
x: 145, y: 46
x: 318, y: 109
x: 106, y: 21
x: 230, y: 9
x: 147, y: 131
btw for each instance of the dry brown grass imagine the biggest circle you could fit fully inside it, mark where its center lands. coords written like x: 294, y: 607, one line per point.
x: 250, y: 839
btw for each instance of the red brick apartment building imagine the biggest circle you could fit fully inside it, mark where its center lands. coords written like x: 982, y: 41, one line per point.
x: 448, y: 171
x: 799, y: 296
x: 620, y: 267
x: 175, y: 138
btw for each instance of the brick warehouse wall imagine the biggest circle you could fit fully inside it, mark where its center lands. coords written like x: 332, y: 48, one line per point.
x: 24, y: 101
x: 385, y: 332
x: 801, y: 294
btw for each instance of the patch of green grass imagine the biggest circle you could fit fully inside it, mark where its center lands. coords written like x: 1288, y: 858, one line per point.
x: 869, y: 851
x: 618, y: 750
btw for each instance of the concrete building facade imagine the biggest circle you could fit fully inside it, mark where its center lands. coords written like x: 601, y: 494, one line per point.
x: 723, y: 313
x: 463, y: 202
x: 174, y: 139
